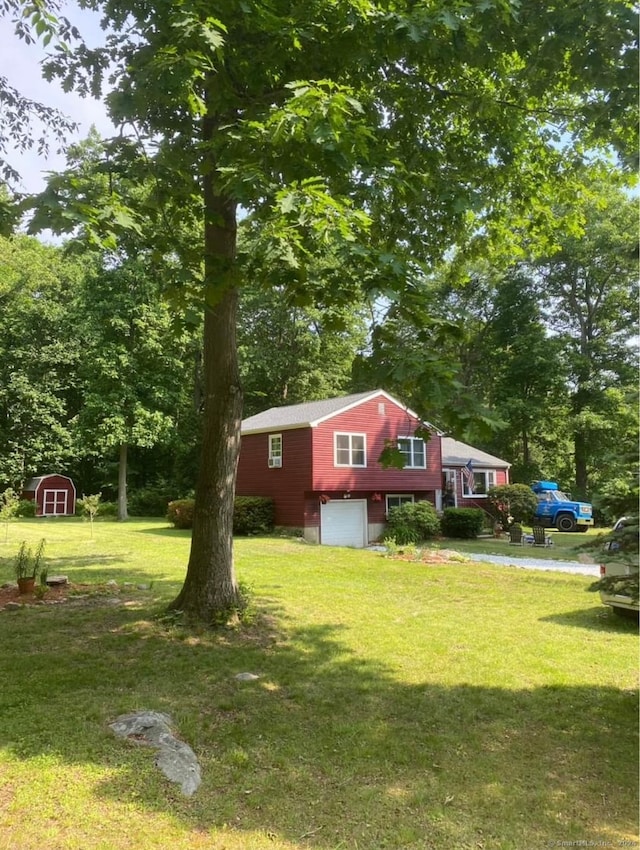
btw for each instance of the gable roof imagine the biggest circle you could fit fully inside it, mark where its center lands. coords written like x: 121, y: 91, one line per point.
x: 34, y: 483
x: 455, y: 453
x: 311, y: 413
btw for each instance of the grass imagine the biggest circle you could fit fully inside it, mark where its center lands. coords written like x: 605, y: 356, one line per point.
x: 400, y: 706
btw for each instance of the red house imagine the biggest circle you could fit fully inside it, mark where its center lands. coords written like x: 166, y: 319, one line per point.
x: 54, y: 495
x: 320, y: 463
x: 467, y: 474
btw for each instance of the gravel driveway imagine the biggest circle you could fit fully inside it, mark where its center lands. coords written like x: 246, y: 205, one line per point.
x: 539, y: 564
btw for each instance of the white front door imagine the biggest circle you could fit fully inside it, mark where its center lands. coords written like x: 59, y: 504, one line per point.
x: 344, y: 523
x: 55, y: 503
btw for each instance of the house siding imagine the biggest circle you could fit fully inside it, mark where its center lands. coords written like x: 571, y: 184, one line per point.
x: 286, y: 485
x: 367, y: 419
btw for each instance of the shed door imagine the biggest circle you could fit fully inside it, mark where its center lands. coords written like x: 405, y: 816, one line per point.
x: 344, y: 523
x: 55, y: 503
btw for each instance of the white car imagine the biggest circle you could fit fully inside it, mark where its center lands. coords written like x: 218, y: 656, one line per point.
x: 616, y: 593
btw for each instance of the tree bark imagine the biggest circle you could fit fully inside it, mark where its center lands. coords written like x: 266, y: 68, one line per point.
x: 210, y: 592
x: 123, y: 514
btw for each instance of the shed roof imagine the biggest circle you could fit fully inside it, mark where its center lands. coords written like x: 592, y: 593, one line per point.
x: 311, y: 413
x: 455, y: 453
x: 34, y: 483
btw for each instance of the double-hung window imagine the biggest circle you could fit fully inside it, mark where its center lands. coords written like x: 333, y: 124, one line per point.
x: 275, y: 451
x: 413, y: 452
x: 350, y: 449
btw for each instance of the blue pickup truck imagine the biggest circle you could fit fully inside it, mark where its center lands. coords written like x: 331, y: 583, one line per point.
x: 557, y: 510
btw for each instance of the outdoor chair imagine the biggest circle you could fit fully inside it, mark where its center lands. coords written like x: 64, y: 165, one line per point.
x: 540, y: 537
x: 515, y: 535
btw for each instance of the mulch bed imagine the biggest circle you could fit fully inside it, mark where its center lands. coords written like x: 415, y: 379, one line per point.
x: 53, y: 596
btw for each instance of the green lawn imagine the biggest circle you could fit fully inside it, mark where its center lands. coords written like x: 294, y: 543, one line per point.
x: 400, y: 705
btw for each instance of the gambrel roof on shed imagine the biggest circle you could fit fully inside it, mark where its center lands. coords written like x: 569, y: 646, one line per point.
x: 455, y: 453
x: 312, y: 413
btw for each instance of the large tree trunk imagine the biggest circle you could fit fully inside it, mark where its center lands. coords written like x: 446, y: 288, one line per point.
x: 122, y: 484
x: 210, y: 592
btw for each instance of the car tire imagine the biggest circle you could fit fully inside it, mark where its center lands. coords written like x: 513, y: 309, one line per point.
x: 565, y: 522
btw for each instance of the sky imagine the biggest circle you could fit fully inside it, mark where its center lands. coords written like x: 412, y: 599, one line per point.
x: 20, y: 64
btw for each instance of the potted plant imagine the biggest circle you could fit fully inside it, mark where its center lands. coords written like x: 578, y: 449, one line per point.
x: 28, y: 566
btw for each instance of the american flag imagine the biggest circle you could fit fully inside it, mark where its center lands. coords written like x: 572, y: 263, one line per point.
x: 467, y: 474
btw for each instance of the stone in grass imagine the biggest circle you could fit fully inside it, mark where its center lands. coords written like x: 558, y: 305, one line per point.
x: 57, y: 581
x: 175, y: 758
x: 246, y: 677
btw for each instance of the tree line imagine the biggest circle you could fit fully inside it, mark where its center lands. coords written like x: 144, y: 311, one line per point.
x: 404, y: 156
x: 533, y: 362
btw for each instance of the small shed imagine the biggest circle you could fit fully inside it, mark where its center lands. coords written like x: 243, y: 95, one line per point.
x: 54, y: 495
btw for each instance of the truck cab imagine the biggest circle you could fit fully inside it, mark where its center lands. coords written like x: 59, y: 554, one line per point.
x: 558, y: 510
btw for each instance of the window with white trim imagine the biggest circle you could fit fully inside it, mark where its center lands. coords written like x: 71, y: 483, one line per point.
x: 275, y: 451
x: 350, y: 449
x: 395, y: 500
x: 413, y: 452
x: 482, y: 480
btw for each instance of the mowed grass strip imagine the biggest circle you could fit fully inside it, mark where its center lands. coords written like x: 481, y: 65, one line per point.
x: 399, y: 705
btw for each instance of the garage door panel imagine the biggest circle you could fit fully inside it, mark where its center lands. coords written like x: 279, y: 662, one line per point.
x: 344, y: 523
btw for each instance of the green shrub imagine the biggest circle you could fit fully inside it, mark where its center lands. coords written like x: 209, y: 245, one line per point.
x: 150, y: 501
x: 412, y: 522
x: 509, y: 503
x: 26, y: 508
x: 180, y: 513
x: 462, y: 523
x: 253, y: 515
x: 107, y: 510
x: 617, y: 498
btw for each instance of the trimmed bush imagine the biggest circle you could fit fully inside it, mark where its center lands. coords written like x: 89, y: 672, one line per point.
x: 180, y: 513
x: 509, y: 503
x: 150, y: 501
x: 107, y: 510
x: 462, y: 523
x: 412, y: 522
x: 253, y: 515
x: 26, y: 508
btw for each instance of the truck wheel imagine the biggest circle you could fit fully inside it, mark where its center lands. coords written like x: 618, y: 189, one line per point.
x: 565, y: 522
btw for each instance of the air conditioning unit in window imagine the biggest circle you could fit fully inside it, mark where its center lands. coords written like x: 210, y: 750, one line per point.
x: 275, y: 462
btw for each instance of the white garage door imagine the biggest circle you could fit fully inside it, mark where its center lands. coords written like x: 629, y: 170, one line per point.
x: 344, y: 523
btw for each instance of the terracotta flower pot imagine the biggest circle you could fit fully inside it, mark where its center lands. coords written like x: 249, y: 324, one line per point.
x: 26, y: 585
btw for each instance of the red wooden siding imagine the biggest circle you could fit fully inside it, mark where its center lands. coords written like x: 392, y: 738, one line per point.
x: 378, y: 426
x: 288, y: 484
